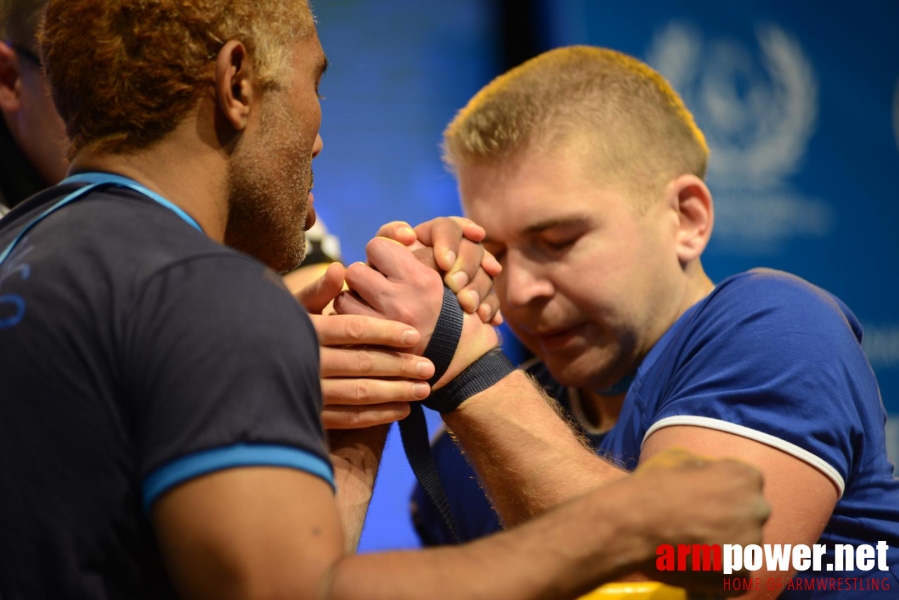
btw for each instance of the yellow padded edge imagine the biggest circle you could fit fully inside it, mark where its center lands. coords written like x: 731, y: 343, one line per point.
x: 637, y: 590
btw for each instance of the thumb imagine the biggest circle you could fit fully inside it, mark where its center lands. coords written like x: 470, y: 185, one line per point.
x: 316, y: 296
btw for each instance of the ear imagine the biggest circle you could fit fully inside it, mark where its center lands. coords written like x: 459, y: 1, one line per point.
x: 234, y: 84
x: 10, y: 81
x: 689, y: 196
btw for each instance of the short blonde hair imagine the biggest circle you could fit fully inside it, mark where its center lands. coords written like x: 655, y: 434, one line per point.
x: 124, y: 73
x: 634, y: 125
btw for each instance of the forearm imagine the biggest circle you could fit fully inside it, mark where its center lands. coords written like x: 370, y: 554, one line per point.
x: 356, y: 455
x: 526, y: 456
x: 563, y: 555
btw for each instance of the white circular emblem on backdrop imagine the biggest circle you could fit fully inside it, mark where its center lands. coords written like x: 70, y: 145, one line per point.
x: 758, y: 109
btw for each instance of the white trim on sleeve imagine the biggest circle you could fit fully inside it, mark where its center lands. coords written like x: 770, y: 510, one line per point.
x: 758, y: 436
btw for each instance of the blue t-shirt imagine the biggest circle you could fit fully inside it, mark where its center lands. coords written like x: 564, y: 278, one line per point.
x: 136, y: 354
x: 773, y: 358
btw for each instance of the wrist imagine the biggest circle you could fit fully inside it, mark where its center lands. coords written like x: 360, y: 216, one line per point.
x: 477, y: 340
x: 478, y: 377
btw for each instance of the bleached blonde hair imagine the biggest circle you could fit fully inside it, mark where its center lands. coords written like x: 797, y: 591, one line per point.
x: 629, y: 120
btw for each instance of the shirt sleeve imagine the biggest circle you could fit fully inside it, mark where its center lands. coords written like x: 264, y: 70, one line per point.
x: 781, y: 366
x: 225, y: 371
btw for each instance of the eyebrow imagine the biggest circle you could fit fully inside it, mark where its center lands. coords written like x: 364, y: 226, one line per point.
x: 541, y: 226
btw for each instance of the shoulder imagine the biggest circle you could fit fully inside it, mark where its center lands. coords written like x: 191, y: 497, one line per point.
x: 226, y: 296
x: 124, y: 221
x: 113, y: 235
x: 768, y: 302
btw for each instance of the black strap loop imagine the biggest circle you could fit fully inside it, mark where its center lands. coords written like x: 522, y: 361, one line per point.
x: 445, y: 338
x: 414, y: 428
x: 477, y: 377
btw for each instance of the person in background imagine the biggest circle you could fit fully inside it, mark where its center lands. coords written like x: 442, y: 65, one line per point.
x: 32, y: 136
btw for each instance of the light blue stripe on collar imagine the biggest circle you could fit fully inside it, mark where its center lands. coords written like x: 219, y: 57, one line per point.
x: 110, y: 178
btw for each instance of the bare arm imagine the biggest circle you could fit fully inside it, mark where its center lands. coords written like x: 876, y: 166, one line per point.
x: 801, y: 497
x: 526, y: 456
x: 275, y: 533
x: 367, y: 382
x: 356, y: 456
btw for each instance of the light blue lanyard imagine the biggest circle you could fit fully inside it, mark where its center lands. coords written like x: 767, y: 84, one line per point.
x: 97, y: 180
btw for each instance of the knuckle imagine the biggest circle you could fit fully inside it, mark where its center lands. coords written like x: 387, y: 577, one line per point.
x: 355, y: 328
x: 449, y: 224
x: 374, y: 243
x: 355, y: 270
x: 365, y: 362
x: 362, y: 392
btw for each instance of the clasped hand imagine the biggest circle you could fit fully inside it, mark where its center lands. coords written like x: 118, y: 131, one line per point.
x: 375, y: 319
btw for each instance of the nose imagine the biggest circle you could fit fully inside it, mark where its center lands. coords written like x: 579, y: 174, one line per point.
x: 317, y: 146
x: 523, y: 280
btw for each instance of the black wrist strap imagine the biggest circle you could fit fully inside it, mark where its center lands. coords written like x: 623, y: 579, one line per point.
x: 442, y: 347
x: 477, y: 377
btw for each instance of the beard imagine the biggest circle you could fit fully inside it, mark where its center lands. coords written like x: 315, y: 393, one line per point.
x: 268, y: 191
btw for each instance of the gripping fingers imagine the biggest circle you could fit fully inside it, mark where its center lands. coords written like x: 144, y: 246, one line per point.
x: 359, y: 330
x: 478, y: 291
x: 373, y: 362
x: 364, y: 392
x: 488, y: 311
x: 444, y: 235
x: 491, y: 265
x: 466, y: 266
x: 353, y: 417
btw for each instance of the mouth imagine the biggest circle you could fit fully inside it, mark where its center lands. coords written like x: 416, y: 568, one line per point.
x: 556, y: 338
x: 310, y: 212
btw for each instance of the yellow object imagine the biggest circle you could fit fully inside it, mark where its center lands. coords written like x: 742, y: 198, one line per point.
x: 637, y: 590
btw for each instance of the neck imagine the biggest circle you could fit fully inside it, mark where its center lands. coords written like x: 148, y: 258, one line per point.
x: 698, y: 287
x: 601, y: 412
x: 181, y: 168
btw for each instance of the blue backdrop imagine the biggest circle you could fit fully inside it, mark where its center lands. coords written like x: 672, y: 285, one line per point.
x: 799, y: 100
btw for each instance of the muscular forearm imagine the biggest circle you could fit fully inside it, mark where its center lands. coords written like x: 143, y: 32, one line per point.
x: 356, y: 455
x: 526, y: 456
x: 562, y: 555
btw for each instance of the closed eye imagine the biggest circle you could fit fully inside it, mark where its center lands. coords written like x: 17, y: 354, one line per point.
x: 558, y: 245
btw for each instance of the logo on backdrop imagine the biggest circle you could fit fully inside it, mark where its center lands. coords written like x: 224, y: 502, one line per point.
x: 758, y: 109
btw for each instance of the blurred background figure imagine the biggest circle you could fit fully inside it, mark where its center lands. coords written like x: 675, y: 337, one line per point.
x: 32, y: 136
